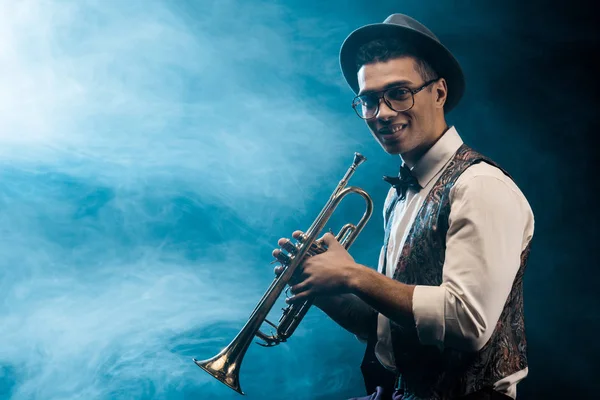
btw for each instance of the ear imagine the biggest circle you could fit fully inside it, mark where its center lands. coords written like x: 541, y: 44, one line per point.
x: 440, y: 90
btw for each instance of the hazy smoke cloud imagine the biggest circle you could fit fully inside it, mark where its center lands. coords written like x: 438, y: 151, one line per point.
x: 144, y: 145
x: 152, y: 152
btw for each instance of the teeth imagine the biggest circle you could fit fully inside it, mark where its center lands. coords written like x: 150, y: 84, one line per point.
x: 397, y: 128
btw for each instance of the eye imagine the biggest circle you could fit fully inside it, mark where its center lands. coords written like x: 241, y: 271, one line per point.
x: 398, y: 93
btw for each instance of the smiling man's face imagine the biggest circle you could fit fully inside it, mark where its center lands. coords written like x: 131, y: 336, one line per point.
x: 409, y: 132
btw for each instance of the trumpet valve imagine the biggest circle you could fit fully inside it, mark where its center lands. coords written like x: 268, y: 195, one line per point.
x: 290, y: 248
x: 302, y: 238
x: 283, y: 258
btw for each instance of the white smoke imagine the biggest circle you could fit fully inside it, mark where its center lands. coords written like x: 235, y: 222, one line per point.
x: 139, y: 142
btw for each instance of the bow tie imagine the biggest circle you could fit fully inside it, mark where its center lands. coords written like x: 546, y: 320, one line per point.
x: 403, y: 181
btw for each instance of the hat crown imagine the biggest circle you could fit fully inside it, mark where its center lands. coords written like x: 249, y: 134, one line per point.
x: 413, y: 34
x: 408, y: 22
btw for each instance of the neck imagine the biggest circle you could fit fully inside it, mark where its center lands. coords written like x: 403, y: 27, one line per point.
x: 411, y: 158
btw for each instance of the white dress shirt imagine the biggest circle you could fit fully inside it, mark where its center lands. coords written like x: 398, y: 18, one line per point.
x: 490, y: 224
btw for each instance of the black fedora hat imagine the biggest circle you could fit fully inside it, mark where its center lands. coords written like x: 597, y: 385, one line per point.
x: 418, y: 37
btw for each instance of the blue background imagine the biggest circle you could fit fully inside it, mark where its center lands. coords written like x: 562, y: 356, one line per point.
x: 152, y: 153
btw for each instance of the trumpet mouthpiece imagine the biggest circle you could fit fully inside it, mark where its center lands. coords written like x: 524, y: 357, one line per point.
x: 359, y: 159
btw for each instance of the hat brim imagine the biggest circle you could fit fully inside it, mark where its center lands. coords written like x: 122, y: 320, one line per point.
x: 432, y: 51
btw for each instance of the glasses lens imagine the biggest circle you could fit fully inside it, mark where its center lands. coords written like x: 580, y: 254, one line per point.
x: 366, y: 106
x: 401, y: 99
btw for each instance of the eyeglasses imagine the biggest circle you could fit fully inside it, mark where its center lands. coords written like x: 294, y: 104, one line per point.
x: 398, y: 98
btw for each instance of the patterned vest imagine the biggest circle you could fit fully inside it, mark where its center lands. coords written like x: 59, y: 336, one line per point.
x: 427, y: 372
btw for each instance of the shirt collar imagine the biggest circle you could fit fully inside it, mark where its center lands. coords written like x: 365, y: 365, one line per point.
x: 437, y: 156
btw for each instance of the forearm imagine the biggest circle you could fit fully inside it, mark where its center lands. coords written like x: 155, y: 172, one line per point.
x: 385, y: 295
x: 350, y: 312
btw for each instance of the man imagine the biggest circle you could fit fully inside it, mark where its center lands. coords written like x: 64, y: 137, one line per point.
x: 444, y: 312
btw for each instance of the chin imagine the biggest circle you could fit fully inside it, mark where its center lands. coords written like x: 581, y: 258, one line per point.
x: 392, y: 148
x: 393, y: 152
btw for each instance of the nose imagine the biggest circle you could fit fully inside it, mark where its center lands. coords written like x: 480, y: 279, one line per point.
x: 385, y: 113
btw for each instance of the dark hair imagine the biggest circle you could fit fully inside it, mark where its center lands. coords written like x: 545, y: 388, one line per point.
x: 380, y: 50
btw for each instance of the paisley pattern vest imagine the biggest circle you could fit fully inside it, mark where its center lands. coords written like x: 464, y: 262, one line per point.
x: 427, y: 372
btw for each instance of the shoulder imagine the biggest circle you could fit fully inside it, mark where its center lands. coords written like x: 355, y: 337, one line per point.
x: 483, y: 174
x: 489, y: 185
x: 486, y: 186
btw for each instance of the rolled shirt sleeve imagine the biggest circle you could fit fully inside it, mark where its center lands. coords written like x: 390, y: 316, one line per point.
x: 490, y: 224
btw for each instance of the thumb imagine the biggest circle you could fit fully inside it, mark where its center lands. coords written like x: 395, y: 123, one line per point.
x: 330, y: 240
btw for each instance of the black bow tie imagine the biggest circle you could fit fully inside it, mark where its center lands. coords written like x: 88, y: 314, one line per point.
x: 403, y: 181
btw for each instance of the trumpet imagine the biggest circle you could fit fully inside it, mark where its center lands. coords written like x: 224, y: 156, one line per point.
x: 225, y: 366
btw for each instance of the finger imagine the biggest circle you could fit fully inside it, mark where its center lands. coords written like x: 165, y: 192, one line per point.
x: 282, y: 241
x: 329, y: 239
x: 289, y: 247
x: 298, y: 298
x: 301, y: 287
x: 297, y: 234
x: 281, y: 257
x: 278, y: 270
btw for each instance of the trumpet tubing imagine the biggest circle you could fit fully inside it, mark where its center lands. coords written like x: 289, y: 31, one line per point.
x: 226, y: 365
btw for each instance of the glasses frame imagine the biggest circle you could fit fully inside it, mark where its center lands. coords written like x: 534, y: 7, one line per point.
x: 381, y: 95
